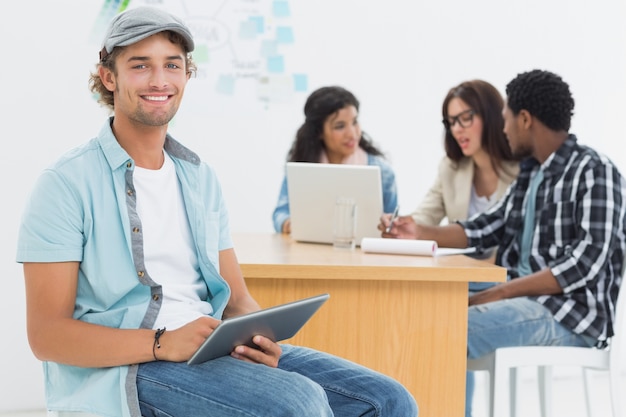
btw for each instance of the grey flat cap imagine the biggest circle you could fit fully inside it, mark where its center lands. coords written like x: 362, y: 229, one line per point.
x: 136, y: 24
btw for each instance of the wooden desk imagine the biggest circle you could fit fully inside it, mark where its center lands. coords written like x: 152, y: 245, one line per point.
x: 404, y: 316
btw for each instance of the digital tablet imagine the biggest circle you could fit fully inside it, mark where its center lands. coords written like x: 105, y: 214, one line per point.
x: 277, y: 323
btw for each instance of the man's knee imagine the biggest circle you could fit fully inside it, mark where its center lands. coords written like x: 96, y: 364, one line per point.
x: 300, y: 396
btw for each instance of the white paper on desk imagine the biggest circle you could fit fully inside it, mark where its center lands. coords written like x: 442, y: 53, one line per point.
x: 399, y: 246
x: 454, y: 251
x: 408, y: 247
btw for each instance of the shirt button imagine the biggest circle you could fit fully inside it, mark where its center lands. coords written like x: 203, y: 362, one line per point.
x: 129, y: 192
x: 140, y: 274
x: 155, y: 297
x: 136, y: 229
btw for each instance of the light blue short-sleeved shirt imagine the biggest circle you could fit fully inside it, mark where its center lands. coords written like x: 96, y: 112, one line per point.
x: 83, y: 209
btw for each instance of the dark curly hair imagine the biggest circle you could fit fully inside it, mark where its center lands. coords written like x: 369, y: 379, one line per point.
x: 486, y: 102
x: 544, y: 95
x: 321, y: 104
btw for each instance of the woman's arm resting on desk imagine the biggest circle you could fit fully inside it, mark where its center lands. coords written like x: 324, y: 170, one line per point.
x: 402, y: 227
x: 287, y: 227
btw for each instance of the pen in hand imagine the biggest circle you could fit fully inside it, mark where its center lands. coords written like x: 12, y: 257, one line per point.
x: 393, y: 217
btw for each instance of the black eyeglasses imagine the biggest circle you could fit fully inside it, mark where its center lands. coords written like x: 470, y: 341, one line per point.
x: 465, y: 119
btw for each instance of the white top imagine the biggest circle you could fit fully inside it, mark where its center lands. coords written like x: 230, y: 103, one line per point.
x: 478, y: 204
x: 169, y: 256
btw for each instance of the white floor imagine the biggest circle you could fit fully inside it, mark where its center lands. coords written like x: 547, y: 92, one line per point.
x: 567, y: 396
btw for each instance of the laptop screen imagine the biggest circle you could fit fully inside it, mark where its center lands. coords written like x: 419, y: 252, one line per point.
x: 313, y: 189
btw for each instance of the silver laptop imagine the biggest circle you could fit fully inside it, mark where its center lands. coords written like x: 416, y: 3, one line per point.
x: 313, y: 189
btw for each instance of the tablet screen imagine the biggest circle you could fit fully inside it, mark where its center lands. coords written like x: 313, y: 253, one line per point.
x: 277, y: 323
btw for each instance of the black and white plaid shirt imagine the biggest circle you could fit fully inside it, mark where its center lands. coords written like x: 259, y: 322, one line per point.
x: 579, y: 234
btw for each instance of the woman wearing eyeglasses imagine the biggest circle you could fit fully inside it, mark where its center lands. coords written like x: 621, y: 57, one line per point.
x: 478, y: 166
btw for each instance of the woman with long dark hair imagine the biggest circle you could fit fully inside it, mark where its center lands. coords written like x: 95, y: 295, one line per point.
x: 478, y: 166
x: 331, y: 134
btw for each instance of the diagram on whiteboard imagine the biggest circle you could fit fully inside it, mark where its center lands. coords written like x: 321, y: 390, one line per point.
x: 242, y: 46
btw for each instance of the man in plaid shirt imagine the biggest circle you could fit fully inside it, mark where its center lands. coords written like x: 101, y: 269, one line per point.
x: 560, y: 232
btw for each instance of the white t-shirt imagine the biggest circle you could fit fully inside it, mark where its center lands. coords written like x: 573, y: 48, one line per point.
x: 169, y: 254
x: 478, y: 204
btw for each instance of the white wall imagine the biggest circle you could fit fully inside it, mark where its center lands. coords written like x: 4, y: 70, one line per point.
x: 399, y: 57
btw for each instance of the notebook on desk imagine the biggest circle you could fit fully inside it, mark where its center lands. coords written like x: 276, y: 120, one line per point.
x: 314, y: 188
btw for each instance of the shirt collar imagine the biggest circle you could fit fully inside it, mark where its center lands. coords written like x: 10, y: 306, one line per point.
x: 116, y: 156
x: 557, y: 161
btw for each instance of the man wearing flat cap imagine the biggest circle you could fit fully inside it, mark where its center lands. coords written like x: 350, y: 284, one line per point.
x: 129, y: 266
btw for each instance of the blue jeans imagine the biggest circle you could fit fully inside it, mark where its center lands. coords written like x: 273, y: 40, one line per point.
x: 480, y: 286
x: 513, y: 322
x: 306, y: 383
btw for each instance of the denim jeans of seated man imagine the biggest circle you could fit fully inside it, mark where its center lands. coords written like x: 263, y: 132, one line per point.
x: 514, y: 322
x: 480, y: 286
x: 475, y: 287
x: 306, y: 383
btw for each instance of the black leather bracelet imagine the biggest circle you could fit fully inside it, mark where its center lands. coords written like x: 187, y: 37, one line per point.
x: 157, y: 342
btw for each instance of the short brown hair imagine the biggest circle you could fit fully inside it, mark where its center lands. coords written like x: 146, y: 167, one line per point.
x: 104, y: 96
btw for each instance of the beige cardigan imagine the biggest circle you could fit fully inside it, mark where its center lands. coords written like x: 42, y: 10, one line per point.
x: 450, y: 194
